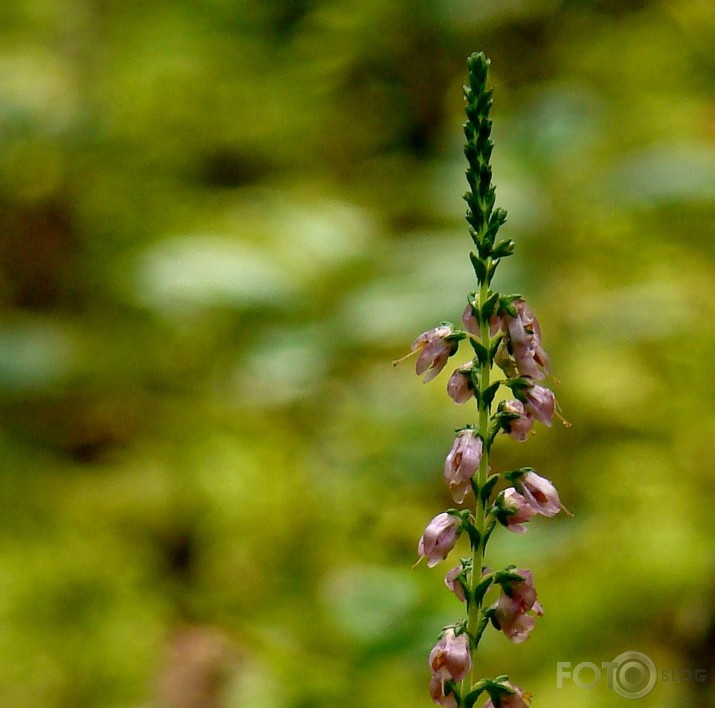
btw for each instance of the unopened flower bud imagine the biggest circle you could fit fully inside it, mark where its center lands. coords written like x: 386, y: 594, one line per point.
x: 439, y: 538
x: 460, y: 387
x: 451, y: 658
x: 514, y: 511
x: 462, y: 462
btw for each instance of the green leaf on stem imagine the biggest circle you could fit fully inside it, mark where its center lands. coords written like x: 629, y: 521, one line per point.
x: 503, y: 249
x: 491, y: 270
x: 508, y: 576
x: 480, y: 270
x: 474, y: 535
x: 494, y: 430
x: 515, y: 475
x: 506, y: 304
x: 481, y: 590
x: 496, y: 220
x: 488, y: 532
x: 486, y: 491
x: 480, y: 350
x: 484, y: 248
x: 471, y: 698
x: 490, y: 305
x: 452, y: 687
x: 489, y: 393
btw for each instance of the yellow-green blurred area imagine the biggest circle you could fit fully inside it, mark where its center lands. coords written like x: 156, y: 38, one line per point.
x: 220, y: 221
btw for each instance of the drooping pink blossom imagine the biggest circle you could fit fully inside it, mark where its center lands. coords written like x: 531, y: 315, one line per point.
x: 539, y: 492
x: 518, y: 428
x: 439, y: 538
x: 515, y: 624
x: 517, y: 511
x: 510, y: 700
x: 510, y: 611
x: 462, y: 462
x: 435, y: 348
x: 540, y: 403
x: 451, y: 659
x: 459, y: 386
x: 523, y: 592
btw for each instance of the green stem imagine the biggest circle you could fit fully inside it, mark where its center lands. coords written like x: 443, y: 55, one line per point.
x: 475, y: 608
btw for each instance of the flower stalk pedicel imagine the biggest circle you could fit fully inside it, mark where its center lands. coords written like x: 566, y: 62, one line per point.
x: 506, y: 340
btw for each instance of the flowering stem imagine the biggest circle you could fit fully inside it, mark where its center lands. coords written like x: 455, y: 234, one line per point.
x: 516, y: 349
x: 480, y: 515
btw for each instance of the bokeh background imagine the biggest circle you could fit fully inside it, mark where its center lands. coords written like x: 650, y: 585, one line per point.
x: 220, y: 220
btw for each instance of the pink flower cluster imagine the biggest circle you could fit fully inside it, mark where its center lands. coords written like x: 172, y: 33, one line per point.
x: 521, y: 351
x: 520, y: 354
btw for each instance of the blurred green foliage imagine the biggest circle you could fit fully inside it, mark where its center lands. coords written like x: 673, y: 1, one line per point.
x: 220, y: 220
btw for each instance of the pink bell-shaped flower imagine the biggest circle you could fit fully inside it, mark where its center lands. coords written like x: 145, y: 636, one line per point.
x: 451, y: 657
x: 514, y: 511
x: 510, y: 700
x: 439, y: 538
x: 539, y: 492
x: 462, y: 462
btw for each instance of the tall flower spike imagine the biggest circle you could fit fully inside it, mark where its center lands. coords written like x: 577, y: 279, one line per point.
x: 502, y: 332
